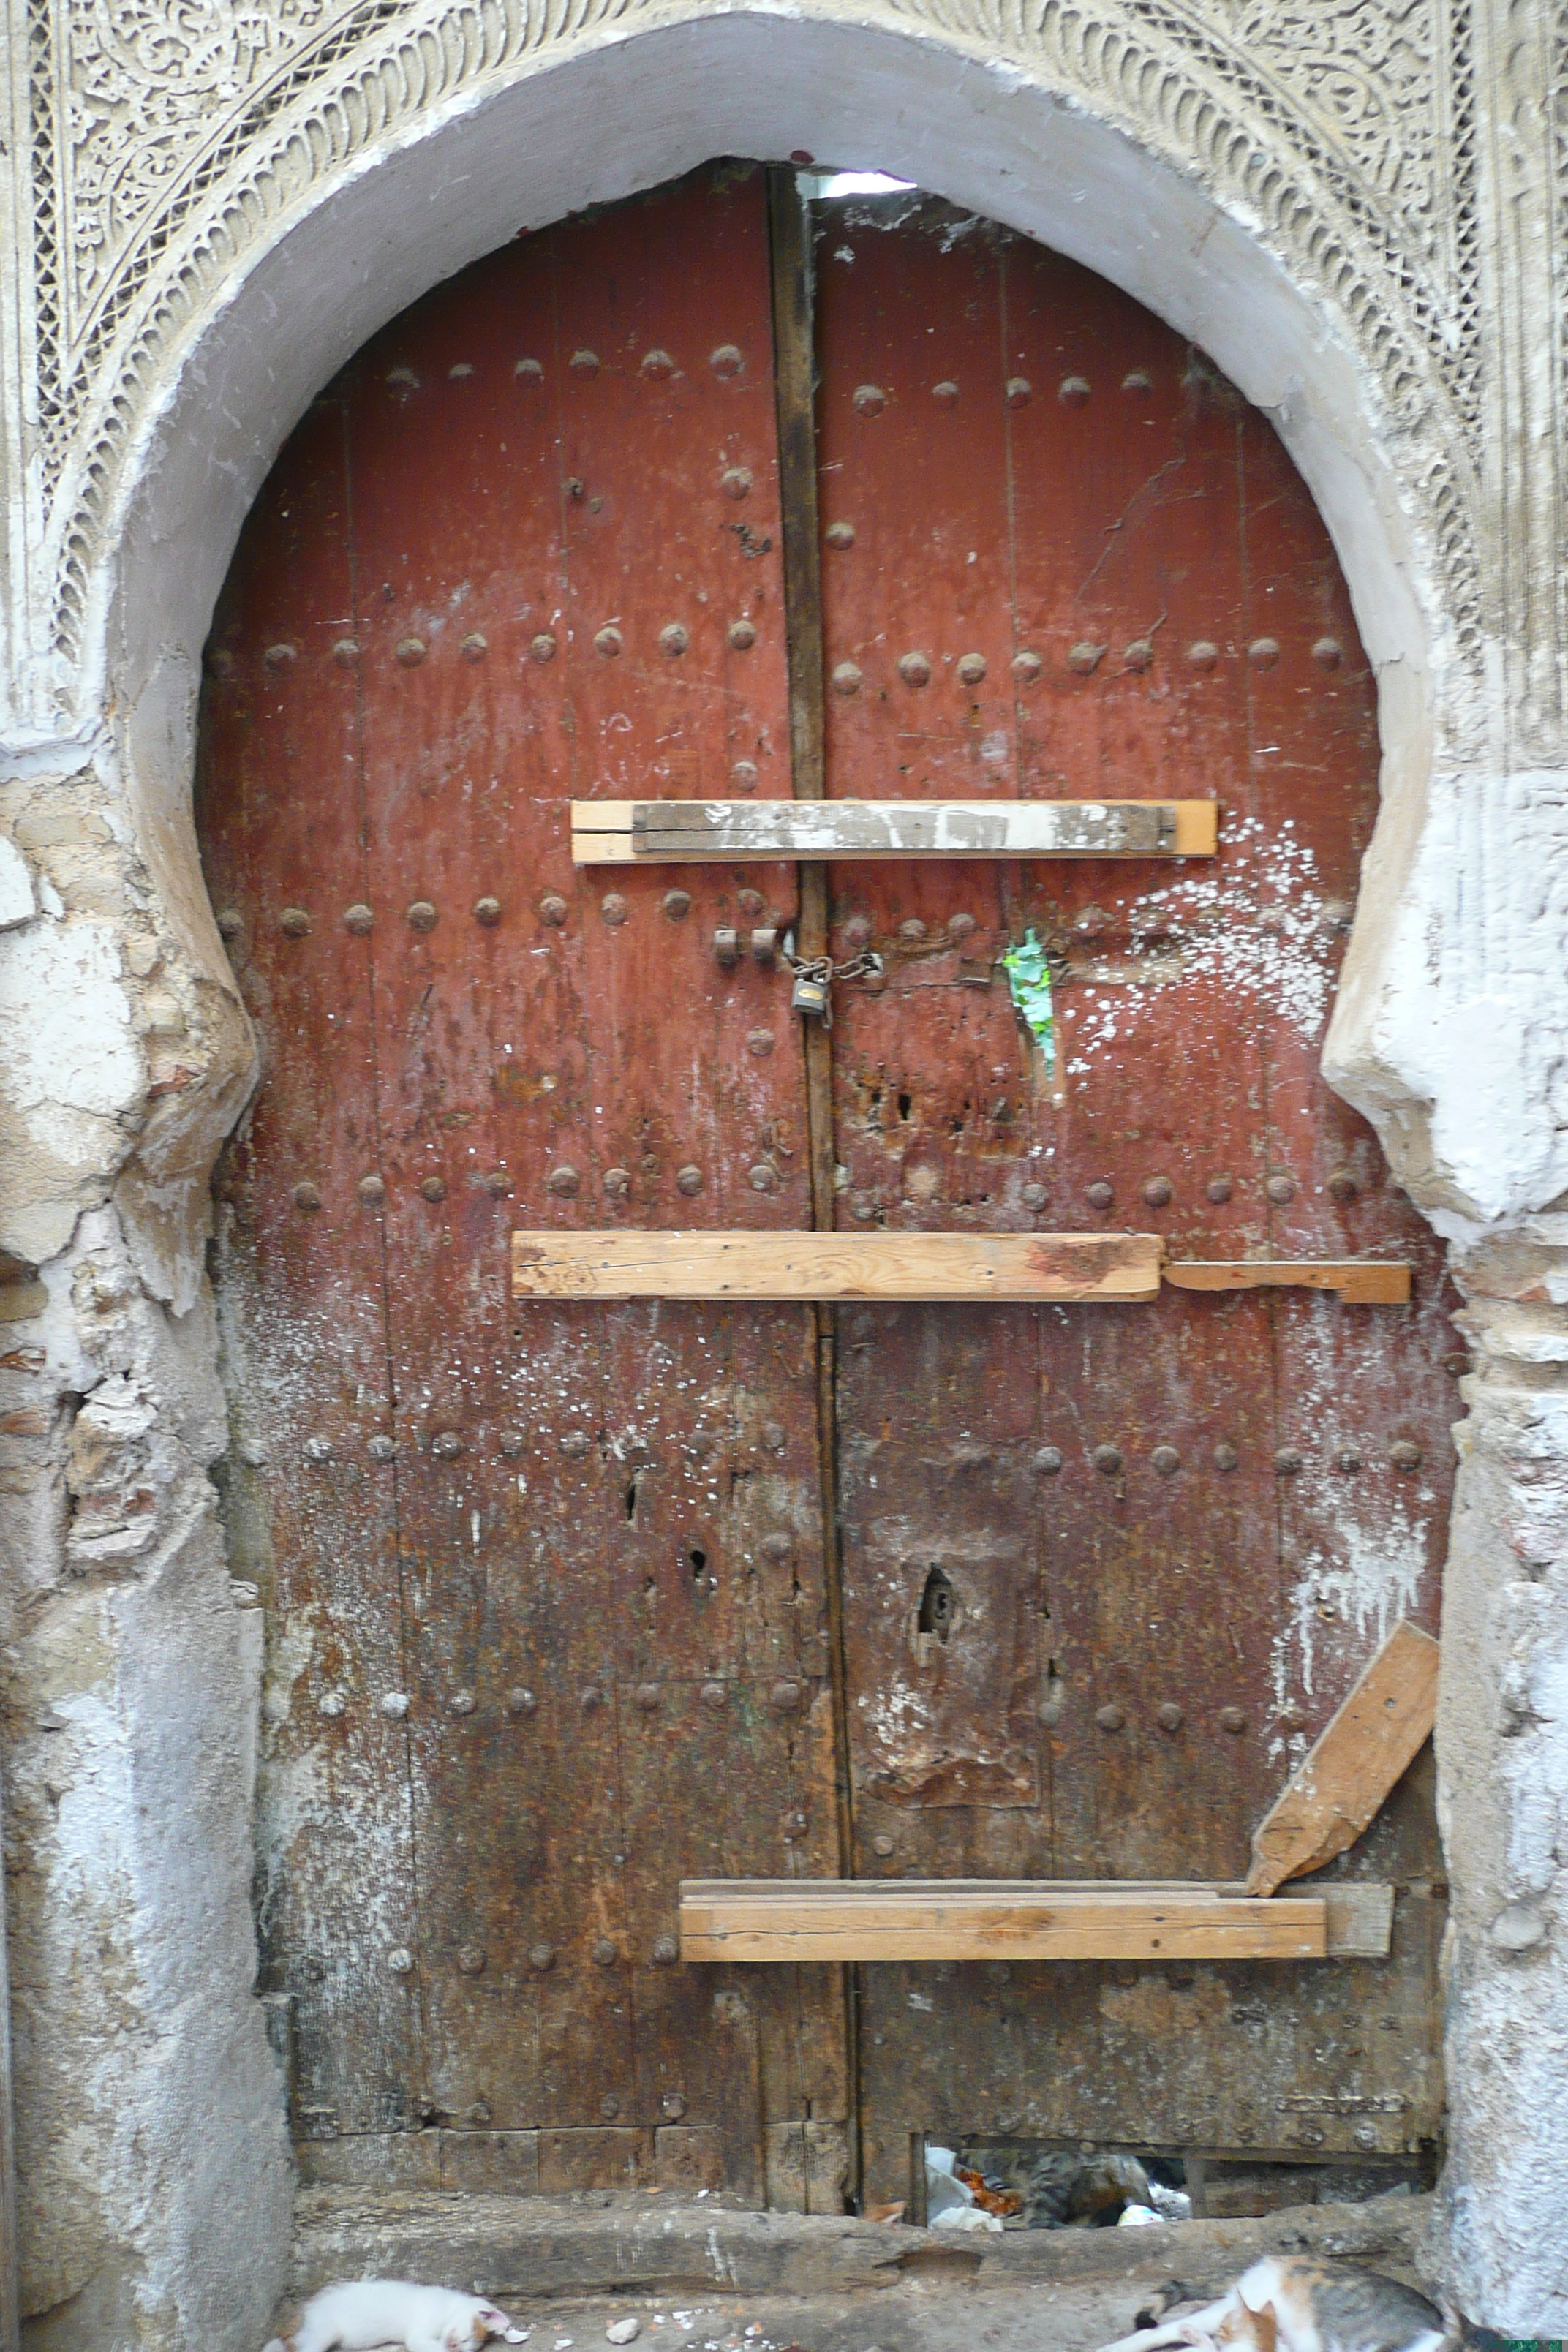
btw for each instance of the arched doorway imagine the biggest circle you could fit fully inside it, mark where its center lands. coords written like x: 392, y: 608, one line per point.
x: 566, y: 1602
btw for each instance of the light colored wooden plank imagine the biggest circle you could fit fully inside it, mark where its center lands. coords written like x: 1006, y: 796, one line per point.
x: 1108, y: 1266
x: 1361, y: 1752
x: 1359, y: 1281
x: 690, y: 832
x: 926, y: 1920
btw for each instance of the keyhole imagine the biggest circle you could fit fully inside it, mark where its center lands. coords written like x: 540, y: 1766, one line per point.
x: 698, y: 1565
x: 939, y: 1606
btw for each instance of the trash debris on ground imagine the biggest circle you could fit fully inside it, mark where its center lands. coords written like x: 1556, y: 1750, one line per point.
x: 623, y: 2331
x: 888, y: 2213
x: 1139, y: 2217
x: 968, y: 2218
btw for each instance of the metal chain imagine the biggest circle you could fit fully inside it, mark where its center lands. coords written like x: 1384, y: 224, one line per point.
x: 817, y: 974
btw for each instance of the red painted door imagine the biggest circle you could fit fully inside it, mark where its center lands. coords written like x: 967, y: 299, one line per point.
x: 550, y: 1601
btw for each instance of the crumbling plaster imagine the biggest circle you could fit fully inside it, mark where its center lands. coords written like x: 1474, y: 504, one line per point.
x: 1355, y: 207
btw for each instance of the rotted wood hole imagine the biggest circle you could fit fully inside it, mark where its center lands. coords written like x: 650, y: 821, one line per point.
x: 569, y: 1598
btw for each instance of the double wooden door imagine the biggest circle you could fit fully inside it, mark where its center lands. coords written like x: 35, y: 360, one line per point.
x: 565, y: 1602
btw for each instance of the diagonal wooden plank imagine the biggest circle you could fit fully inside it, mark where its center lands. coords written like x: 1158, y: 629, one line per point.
x: 1361, y: 1753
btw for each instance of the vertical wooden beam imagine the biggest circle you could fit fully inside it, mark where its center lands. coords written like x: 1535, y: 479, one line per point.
x: 794, y: 377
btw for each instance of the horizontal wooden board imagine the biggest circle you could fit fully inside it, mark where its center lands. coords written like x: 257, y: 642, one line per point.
x: 1106, y: 1267
x: 1359, y: 1281
x: 1031, y: 1919
x: 615, y: 833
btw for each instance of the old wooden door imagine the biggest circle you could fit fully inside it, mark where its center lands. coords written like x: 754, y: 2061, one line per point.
x: 555, y: 1613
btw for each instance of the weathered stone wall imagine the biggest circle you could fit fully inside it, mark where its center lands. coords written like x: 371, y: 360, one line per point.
x: 1356, y: 206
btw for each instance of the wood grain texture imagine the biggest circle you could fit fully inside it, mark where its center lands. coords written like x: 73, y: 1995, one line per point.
x: 1022, y: 1920
x: 608, y: 833
x: 1366, y: 1747
x: 1359, y: 1282
x: 1106, y: 1267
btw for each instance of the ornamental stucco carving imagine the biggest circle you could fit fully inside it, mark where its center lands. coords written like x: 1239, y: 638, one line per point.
x: 167, y: 136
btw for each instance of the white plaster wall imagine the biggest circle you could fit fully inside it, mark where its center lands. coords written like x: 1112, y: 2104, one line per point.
x: 155, y: 2205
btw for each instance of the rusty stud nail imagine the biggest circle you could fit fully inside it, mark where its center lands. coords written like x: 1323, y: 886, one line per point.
x: 748, y: 903
x: 845, y: 679
x: 433, y: 1187
x: 689, y: 1180
x: 1219, y: 1189
x: 1034, y: 1196
x: 1225, y: 1456
x: 657, y: 364
x: 727, y: 360
x: 862, y: 1208
x: 1137, y: 380
x: 612, y: 908
x: 317, y: 1449
x: 760, y: 1042
x: 665, y: 1953
x: 1157, y: 1192
x: 840, y: 534
x: 714, y: 1695
x: 676, y: 905
x: 575, y: 1443
x: 522, y: 1702
x: 1327, y: 653
x: 474, y: 646
x: 562, y: 1180
x: 972, y: 668
x: 488, y: 912
x: 1232, y: 1718
x: 543, y: 647
x: 1347, y: 1458
x: 446, y: 1444
x: 743, y: 636
x: 772, y: 1436
x: 961, y: 926
x: 672, y: 2105
x: 1263, y: 652
x: 380, y: 1448
x: 1027, y: 667
x: 1202, y: 652
x: 726, y: 946
x: 617, y: 1182
x: 779, y: 1547
x: 764, y: 943
x: 856, y: 933
x: 294, y: 922
x: 1167, y: 1461
x: 743, y: 775
x: 1287, y: 1461
x: 1405, y: 1454
x: 590, y: 1698
x: 471, y: 1961
x: 870, y: 399
x: 944, y: 394
x: 1344, y: 1184
x: 1456, y: 1363
x: 278, y: 658
x: 1019, y: 391
x: 914, y: 669
x: 784, y: 1697
x: 1138, y: 654
x: 1110, y: 1718
x: 421, y: 916
x: 583, y: 363
x: 306, y: 1197
x: 497, y: 1183
x: 609, y: 641
x: 410, y: 652
x: 793, y: 1825
x: 1169, y: 1716
x: 395, y: 1706
x: 542, y: 1957
x: 1101, y: 1193
x: 883, y: 1844
x: 735, y: 481
x: 400, y: 1960
x: 553, y: 910
x: 461, y: 1702
x: 648, y: 1697
x: 371, y: 1191
x: 762, y: 1178
x: 231, y: 923
x: 1106, y: 1460
x: 1073, y: 391
x: 345, y: 653
x: 1280, y: 1188
x: 1084, y: 657
x: 1048, y: 1461
x: 358, y: 917
x: 674, y: 638
x: 911, y: 931
x: 530, y: 374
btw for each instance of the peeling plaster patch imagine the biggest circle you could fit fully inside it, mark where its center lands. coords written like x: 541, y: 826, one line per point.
x: 1367, y: 1586
x: 70, y: 1066
x: 18, y: 903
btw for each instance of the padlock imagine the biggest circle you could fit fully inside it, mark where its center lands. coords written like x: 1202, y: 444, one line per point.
x: 809, y: 994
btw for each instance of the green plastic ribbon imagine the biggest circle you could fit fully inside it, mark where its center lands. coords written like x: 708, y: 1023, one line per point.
x: 1029, y: 978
